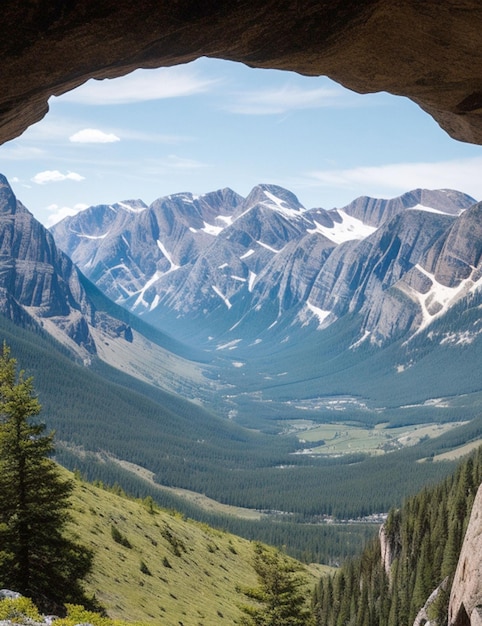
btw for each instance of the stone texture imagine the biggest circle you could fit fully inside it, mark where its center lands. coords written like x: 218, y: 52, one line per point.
x: 466, y: 594
x: 429, y: 51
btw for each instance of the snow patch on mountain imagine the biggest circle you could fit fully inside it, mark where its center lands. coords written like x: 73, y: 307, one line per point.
x: 212, y: 230
x: 265, y: 245
x: 227, y: 219
x: 251, y: 279
x: 358, y: 343
x: 162, y: 248
x: 230, y: 345
x: 319, y: 313
x: 281, y: 206
x: 439, y: 298
x: 348, y: 229
x: 83, y: 235
x: 219, y: 293
x: 464, y: 338
x: 155, y: 302
x: 133, y: 208
x: 421, y: 207
x: 140, y: 298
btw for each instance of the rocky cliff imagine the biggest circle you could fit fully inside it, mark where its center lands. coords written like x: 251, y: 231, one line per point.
x: 466, y: 594
x: 37, y: 281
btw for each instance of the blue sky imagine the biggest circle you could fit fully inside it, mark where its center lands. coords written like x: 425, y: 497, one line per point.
x: 213, y: 124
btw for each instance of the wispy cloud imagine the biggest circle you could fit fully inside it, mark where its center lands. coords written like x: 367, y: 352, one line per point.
x: 180, y: 163
x: 93, y: 135
x: 58, y: 213
x: 170, y: 164
x: 54, y: 176
x: 460, y: 174
x: 141, y: 85
x: 151, y: 137
x: 285, y: 99
x: 20, y: 153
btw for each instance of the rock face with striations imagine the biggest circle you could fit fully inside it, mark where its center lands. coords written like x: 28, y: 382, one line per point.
x: 466, y: 594
x: 40, y: 287
x: 428, y: 51
x: 37, y: 281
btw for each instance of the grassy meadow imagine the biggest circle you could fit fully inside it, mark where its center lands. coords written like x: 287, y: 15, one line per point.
x: 339, y: 438
x: 155, y: 566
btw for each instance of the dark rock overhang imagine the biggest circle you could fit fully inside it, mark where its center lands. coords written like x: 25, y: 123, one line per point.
x: 429, y: 51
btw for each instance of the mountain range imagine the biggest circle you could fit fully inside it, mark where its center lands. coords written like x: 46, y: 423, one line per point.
x: 220, y: 269
x: 295, y: 298
x: 231, y: 300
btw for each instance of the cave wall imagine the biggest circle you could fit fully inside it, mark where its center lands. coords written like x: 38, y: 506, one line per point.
x: 427, y: 50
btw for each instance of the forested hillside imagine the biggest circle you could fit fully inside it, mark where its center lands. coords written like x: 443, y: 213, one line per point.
x: 424, y: 538
x: 97, y: 410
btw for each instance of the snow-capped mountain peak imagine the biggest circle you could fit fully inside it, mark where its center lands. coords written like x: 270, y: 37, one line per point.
x: 221, y: 262
x: 134, y: 206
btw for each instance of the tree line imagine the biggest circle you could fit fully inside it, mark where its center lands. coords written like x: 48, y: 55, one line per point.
x: 425, y: 537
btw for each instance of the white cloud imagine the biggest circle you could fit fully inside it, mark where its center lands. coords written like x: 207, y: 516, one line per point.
x: 57, y: 213
x: 54, y: 176
x: 141, y: 85
x: 461, y: 174
x: 93, y: 135
x: 287, y: 98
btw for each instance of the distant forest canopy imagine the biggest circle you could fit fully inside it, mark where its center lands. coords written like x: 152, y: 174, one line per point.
x: 426, y: 536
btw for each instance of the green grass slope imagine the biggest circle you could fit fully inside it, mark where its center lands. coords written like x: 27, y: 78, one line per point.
x: 161, y: 568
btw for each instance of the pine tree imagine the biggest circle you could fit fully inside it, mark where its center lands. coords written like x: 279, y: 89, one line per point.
x: 280, y: 595
x: 36, y: 558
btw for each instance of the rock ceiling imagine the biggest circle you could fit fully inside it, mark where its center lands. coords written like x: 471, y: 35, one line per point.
x: 429, y: 51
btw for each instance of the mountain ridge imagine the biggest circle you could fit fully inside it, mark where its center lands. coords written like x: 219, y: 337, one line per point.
x: 317, y: 265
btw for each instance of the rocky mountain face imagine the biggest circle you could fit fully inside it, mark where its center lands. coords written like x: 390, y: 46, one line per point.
x: 38, y: 283
x: 464, y: 607
x: 240, y: 267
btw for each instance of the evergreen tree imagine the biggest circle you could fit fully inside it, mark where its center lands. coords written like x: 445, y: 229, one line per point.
x: 281, y: 596
x: 36, y: 558
x: 425, y: 537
